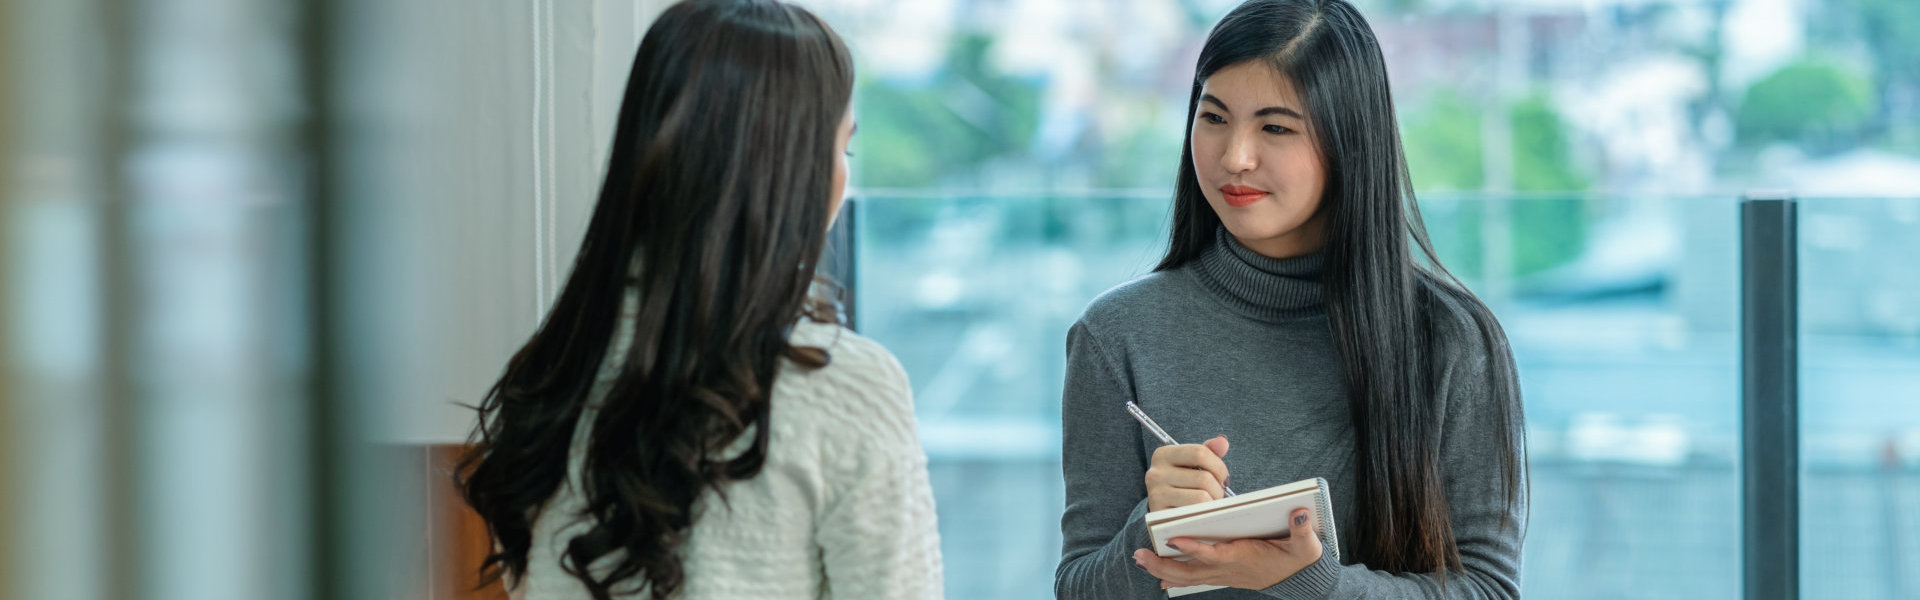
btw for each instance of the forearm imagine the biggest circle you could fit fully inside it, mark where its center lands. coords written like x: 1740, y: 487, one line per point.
x: 1103, y: 468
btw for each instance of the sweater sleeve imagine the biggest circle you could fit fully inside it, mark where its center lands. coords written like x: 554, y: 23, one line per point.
x: 877, y: 535
x: 1105, y: 477
x: 1487, y: 530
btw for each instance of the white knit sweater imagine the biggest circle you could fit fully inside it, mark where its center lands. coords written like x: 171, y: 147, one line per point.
x: 842, y: 508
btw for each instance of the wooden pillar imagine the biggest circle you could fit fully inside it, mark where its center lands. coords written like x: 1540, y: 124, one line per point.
x: 459, y: 537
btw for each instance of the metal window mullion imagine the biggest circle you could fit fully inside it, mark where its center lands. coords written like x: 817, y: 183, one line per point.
x: 1769, y: 367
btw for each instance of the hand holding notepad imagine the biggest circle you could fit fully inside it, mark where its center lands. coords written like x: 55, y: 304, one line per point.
x: 1253, y: 515
x: 1257, y: 515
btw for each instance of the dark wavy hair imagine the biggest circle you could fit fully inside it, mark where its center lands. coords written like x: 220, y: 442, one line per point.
x: 1383, y: 305
x: 714, y: 210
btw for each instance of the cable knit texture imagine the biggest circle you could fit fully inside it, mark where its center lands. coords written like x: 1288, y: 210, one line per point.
x: 842, y: 509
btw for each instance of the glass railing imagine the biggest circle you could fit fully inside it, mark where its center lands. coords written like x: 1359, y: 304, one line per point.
x: 1860, y: 397
x: 1628, y: 356
x: 1622, y: 312
x: 975, y: 295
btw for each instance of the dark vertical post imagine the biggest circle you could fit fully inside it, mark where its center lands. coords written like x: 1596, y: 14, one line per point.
x: 1769, y: 415
x: 123, y: 486
x: 841, y: 260
x: 328, y: 449
x: 9, y: 422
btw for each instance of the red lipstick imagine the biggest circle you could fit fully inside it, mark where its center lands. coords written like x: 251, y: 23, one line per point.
x: 1240, y: 196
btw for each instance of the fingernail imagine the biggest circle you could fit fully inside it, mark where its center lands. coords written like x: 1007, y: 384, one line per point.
x: 1300, y: 520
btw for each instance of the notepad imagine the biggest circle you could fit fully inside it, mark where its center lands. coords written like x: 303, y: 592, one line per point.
x: 1259, y: 515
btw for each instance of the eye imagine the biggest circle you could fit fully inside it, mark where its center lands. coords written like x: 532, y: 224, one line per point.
x: 1212, y: 118
x: 1276, y: 129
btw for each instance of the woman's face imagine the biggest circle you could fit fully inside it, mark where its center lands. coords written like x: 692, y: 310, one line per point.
x: 840, y: 166
x: 1257, y: 165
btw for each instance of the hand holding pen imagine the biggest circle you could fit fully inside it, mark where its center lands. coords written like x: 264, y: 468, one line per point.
x: 1183, y: 474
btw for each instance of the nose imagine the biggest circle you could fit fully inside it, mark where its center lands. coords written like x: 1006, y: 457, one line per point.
x: 1239, y: 156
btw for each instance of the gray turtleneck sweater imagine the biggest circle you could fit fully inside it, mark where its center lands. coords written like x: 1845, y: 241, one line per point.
x: 1236, y: 343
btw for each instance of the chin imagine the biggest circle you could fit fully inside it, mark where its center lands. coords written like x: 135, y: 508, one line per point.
x: 1250, y: 226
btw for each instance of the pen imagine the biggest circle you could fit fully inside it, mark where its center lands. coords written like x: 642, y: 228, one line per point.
x: 1154, y: 428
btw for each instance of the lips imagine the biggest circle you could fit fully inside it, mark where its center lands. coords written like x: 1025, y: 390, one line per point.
x: 1238, y: 196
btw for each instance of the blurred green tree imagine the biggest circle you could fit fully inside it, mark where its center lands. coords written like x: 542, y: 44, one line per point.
x: 1821, y: 106
x: 1891, y: 32
x: 1442, y: 138
x: 937, y: 132
x: 1542, y: 153
x: 941, y: 130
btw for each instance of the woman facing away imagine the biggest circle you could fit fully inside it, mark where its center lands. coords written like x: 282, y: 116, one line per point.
x: 1293, y: 315
x: 688, y: 422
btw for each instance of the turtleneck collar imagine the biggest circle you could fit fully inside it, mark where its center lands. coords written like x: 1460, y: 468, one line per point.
x: 1261, y: 287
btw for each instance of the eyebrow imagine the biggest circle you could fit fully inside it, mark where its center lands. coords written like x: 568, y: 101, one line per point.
x: 1271, y: 110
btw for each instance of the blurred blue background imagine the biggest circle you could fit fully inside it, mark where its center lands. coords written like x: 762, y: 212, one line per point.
x: 221, y: 220
x: 1579, y: 165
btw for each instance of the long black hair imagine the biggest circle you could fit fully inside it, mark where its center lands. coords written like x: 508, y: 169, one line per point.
x: 714, y: 210
x: 1383, y: 305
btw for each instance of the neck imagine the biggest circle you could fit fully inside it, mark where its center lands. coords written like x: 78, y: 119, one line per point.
x: 1260, y: 286
x: 1306, y: 239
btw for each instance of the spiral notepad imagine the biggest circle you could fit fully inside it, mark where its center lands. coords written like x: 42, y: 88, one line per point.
x: 1259, y: 515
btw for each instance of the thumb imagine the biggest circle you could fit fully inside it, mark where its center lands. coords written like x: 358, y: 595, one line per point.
x: 1299, y: 527
x: 1302, y: 541
x: 1218, y: 445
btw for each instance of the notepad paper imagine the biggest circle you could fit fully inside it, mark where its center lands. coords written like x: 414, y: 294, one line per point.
x: 1259, y: 515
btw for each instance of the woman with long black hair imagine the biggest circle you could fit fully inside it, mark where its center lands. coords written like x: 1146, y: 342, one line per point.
x: 1300, y: 311
x: 689, y: 421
